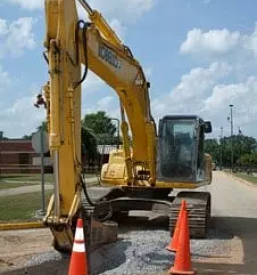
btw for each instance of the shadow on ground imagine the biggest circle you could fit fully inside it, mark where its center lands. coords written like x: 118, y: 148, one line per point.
x: 59, y: 267
x: 138, y: 223
x: 215, y: 231
x: 108, y: 257
x: 221, y: 228
x: 245, y: 230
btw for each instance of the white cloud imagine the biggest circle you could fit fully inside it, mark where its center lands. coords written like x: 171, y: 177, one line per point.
x: 220, y: 43
x: 116, y: 12
x: 114, y: 23
x: 193, y: 86
x: 109, y: 104
x: 250, y: 42
x: 4, y: 78
x: 189, y: 94
x: 3, y: 27
x: 105, y: 101
x: 122, y: 10
x: 16, y: 37
x: 28, y: 4
x: 208, y: 93
x: 238, y: 87
x: 119, y: 29
x: 243, y: 96
x: 91, y: 83
x: 148, y: 72
x: 211, y: 42
x: 21, y: 118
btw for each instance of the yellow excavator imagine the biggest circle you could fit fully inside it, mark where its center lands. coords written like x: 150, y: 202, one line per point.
x: 141, y: 174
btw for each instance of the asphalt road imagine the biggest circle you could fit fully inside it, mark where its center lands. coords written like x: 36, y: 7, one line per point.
x: 234, y: 209
x: 234, y: 212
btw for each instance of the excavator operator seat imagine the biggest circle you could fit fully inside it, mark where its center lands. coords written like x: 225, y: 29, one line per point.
x: 178, y: 145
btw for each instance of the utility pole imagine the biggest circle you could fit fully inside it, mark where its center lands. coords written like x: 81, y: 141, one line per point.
x: 231, y: 136
x: 1, y: 138
x: 221, y: 146
x: 240, y: 146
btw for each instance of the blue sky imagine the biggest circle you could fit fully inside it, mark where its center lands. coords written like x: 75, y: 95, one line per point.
x: 200, y: 56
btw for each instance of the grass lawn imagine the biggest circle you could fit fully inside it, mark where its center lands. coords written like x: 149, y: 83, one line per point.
x: 244, y: 176
x: 7, y: 185
x: 26, y: 177
x: 21, y: 207
x: 33, y: 177
x: 17, y: 180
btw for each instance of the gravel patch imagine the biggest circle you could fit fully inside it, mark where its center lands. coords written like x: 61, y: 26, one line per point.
x: 137, y: 252
x: 143, y: 252
x: 41, y: 258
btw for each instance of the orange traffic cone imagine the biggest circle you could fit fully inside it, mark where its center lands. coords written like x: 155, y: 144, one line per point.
x: 173, y: 245
x: 182, y: 264
x: 78, y: 262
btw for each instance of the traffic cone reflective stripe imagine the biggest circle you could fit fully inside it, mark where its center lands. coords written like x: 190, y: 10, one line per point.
x: 182, y: 264
x: 78, y: 262
x: 173, y: 245
x: 78, y: 247
x: 79, y: 235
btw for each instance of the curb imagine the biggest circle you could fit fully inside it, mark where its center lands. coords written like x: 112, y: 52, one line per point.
x: 22, y: 225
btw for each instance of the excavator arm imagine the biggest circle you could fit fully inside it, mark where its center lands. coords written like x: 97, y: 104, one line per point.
x: 69, y: 43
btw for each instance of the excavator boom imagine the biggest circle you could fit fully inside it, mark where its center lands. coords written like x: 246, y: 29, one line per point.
x: 69, y: 43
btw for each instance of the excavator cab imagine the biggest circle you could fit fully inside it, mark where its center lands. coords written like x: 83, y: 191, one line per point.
x: 181, y: 155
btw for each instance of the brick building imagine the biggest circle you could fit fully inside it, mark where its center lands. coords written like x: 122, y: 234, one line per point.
x: 16, y: 156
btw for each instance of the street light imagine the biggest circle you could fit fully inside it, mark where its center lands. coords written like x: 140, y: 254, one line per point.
x: 231, y: 136
x: 240, y: 146
x: 221, y: 144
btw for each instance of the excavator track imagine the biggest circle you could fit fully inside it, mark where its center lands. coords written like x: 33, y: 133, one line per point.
x: 198, y: 206
x: 199, y: 212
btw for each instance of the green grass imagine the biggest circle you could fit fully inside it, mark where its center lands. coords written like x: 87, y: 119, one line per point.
x: 26, y: 177
x: 18, y: 180
x: 21, y: 207
x: 33, y: 177
x: 8, y: 185
x: 244, y: 176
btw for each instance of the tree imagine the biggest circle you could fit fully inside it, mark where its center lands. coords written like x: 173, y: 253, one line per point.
x: 43, y: 126
x: 2, y: 137
x: 243, y: 147
x: 102, y: 126
x: 27, y: 137
x: 88, y: 145
x: 212, y: 148
x: 88, y: 142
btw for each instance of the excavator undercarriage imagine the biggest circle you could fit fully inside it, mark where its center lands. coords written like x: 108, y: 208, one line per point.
x: 112, y: 203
